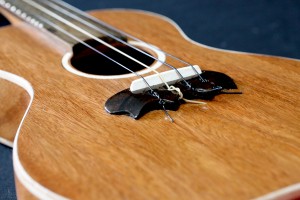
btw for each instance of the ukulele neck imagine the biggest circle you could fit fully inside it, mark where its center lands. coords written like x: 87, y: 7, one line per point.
x: 59, y: 18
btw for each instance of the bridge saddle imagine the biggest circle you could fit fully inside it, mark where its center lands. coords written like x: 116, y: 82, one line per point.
x: 170, y: 77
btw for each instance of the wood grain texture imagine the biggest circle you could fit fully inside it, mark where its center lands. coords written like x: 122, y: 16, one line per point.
x: 14, y: 102
x: 241, y: 147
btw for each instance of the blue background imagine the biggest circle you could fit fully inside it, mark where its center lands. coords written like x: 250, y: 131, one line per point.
x: 258, y: 26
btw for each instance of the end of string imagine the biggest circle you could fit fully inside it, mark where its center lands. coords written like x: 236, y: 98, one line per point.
x: 178, y: 91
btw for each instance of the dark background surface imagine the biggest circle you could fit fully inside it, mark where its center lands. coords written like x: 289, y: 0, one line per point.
x: 258, y: 26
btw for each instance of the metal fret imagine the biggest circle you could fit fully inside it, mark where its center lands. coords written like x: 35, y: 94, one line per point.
x: 29, y: 14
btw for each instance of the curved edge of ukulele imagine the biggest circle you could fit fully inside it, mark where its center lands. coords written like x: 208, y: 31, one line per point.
x: 21, y: 175
x: 41, y: 192
x: 17, y: 84
x: 290, y: 192
x: 182, y: 33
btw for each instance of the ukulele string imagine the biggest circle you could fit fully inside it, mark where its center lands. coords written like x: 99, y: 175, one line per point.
x: 44, y: 20
x: 161, y: 101
x: 80, y: 12
x: 70, y: 24
x: 106, y: 33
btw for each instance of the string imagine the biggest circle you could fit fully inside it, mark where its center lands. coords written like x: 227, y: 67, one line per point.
x: 40, y: 25
x: 78, y: 11
x: 169, y: 88
x: 161, y: 101
x: 52, y: 14
x: 65, y: 12
x: 89, y: 46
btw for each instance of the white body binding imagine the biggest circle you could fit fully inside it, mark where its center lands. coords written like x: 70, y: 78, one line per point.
x: 41, y: 192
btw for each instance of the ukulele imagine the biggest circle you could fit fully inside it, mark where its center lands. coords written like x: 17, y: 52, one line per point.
x: 105, y: 106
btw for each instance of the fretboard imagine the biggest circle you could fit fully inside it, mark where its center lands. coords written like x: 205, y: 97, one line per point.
x: 61, y: 19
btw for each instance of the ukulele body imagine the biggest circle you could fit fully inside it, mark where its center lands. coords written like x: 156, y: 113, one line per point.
x: 240, y: 147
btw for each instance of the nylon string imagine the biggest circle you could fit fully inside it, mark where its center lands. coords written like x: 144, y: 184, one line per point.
x: 102, y: 31
x: 52, y: 14
x: 80, y: 12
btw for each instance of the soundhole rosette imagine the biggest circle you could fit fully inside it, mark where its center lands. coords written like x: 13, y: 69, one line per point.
x: 154, y: 51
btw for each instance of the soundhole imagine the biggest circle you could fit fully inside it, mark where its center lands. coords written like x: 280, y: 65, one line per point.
x: 89, y: 61
x: 3, y: 21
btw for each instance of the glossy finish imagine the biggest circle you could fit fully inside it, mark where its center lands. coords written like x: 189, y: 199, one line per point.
x: 241, y: 147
